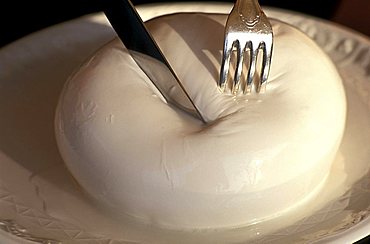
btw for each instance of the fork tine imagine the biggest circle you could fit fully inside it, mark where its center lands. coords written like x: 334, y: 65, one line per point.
x: 253, y: 49
x: 228, y: 46
x: 246, y: 24
x: 266, y: 61
x: 239, y: 67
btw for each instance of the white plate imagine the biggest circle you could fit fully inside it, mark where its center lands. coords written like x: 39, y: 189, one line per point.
x: 39, y: 198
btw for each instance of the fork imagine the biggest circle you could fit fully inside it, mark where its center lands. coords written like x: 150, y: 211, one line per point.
x: 247, y: 31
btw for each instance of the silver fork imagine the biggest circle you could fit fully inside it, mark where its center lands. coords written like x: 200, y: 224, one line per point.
x: 247, y: 31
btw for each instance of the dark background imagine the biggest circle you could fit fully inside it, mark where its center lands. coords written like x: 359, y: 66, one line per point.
x: 21, y: 17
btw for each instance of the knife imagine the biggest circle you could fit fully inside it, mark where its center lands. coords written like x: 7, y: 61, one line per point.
x: 131, y: 29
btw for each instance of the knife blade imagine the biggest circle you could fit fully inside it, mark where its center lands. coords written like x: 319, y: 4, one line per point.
x: 131, y: 29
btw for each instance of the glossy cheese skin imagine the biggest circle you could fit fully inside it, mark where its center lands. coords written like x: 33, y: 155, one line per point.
x: 262, y: 156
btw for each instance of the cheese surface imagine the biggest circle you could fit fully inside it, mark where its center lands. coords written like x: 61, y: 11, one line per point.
x: 263, y: 154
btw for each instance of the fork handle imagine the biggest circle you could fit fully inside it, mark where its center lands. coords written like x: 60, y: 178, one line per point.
x: 249, y: 11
